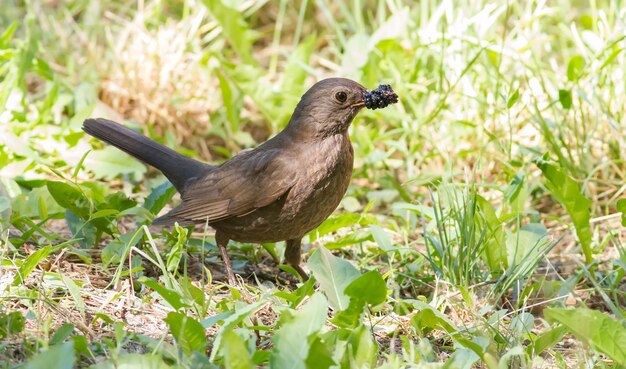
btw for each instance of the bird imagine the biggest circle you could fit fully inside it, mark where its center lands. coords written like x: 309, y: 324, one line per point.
x: 278, y: 191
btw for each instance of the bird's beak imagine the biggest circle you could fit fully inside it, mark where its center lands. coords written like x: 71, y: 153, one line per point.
x: 359, y: 104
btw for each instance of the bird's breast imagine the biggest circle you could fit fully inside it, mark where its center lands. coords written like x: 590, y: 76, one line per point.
x: 321, y: 180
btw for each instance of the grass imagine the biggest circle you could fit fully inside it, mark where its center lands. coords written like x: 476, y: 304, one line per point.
x: 483, y: 227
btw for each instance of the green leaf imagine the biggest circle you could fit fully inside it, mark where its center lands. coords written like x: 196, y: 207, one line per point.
x: 74, y: 291
x: 61, y: 334
x: 363, y: 349
x: 104, y: 213
x: 565, y: 97
x: 621, y: 207
x: 251, y: 81
x: 159, y: 197
x: 69, y: 197
x: 82, y: 230
x: 118, y: 201
x: 235, y: 352
x: 382, y: 238
x: 32, y: 261
x: 370, y: 288
x: 334, y: 275
x: 291, y: 341
x: 7, y: 35
x: 546, y: 340
x: 175, y: 252
x: 110, y: 162
x: 233, y: 101
x: 56, y: 357
x: 338, y: 221
x: 567, y: 192
x: 594, y: 327
x: 229, y: 323
x: 428, y: 319
x: 513, y: 99
x: 10, y: 324
x: 294, y: 76
x: 172, y: 297
x: 234, y: 28
x: 575, y: 67
x: 525, y: 244
x: 320, y: 355
x: 494, y: 253
x: 188, y: 332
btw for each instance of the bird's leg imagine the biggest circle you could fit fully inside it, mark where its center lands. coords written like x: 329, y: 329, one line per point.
x: 222, y: 241
x: 292, y: 256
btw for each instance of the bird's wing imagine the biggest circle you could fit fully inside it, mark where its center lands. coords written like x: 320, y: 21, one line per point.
x: 247, y: 182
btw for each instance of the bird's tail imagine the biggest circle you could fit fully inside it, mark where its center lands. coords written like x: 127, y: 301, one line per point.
x: 179, y: 169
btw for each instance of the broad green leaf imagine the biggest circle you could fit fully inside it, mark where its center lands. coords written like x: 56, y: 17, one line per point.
x: 525, y: 244
x: 159, y: 197
x: 61, y: 334
x: 234, y: 28
x: 291, y: 341
x: 352, y: 238
x: 116, y: 249
x: 428, y: 319
x: 567, y: 192
x: 594, y: 327
x: 11, y: 323
x: 118, y: 201
x: 82, y: 230
x: 575, y: 67
x: 28, y: 205
x: 230, y: 323
x: 546, y: 340
x: 110, y: 162
x: 363, y: 349
x: 320, y: 355
x: 461, y: 359
x: 382, y: 238
x: 81, y: 346
x: 104, y: 213
x: 188, y: 332
x: 334, y: 275
x: 338, y: 221
x: 56, y: 357
x: 69, y: 197
x: 235, y: 352
x: 565, y: 97
x: 369, y: 288
x: 172, y: 297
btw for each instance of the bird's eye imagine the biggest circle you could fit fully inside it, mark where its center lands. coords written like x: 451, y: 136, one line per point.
x: 341, y: 96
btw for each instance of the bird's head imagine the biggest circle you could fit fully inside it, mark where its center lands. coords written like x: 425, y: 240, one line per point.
x: 327, y: 108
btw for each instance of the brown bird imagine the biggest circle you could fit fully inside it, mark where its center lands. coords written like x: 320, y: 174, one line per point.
x: 278, y: 191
